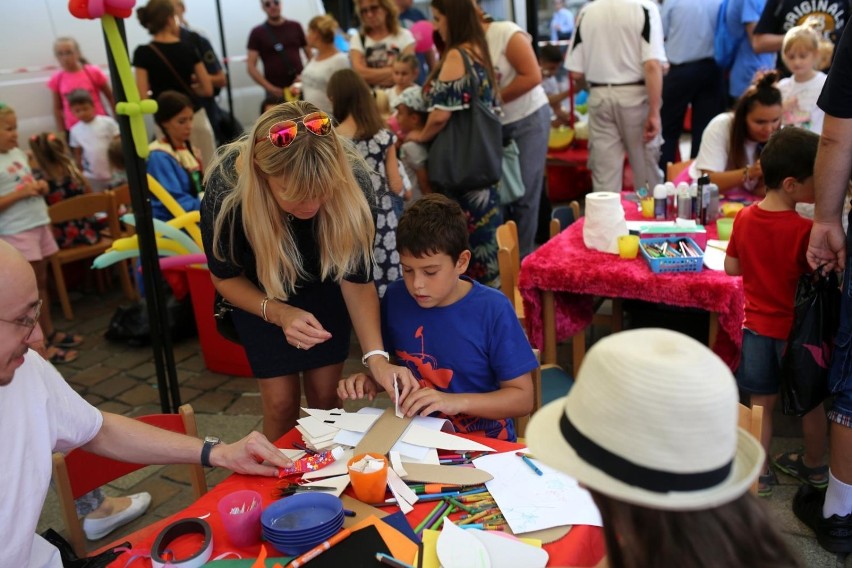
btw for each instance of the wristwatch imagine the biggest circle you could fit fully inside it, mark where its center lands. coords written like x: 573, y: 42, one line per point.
x: 209, y: 442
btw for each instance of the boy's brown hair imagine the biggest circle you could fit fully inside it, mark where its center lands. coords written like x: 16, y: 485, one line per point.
x: 790, y: 152
x: 433, y: 224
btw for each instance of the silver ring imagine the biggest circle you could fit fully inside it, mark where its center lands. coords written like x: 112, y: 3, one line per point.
x: 299, y: 345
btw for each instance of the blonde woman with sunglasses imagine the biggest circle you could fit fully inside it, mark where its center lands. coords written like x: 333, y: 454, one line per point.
x: 288, y: 234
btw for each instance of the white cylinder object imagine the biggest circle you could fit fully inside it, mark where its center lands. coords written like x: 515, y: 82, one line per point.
x: 604, y: 221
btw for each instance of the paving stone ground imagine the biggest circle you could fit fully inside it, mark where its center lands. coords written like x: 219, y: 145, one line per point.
x: 119, y: 378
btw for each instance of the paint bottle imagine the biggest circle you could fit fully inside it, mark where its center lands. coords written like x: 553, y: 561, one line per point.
x: 671, y: 200
x: 684, y: 201
x: 703, y: 199
x: 660, y: 202
x: 714, y: 207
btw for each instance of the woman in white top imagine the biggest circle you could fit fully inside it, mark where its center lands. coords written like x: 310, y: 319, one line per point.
x: 731, y: 144
x: 325, y: 62
x: 526, y: 118
x: 379, y: 42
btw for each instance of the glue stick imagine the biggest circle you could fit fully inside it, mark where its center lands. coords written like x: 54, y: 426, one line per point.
x: 311, y: 463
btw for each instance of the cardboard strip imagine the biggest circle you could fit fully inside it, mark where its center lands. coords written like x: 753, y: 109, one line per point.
x: 383, y: 435
x: 451, y: 475
x: 362, y: 511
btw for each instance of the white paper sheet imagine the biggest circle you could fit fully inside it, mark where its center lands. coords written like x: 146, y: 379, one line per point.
x: 531, y: 502
x: 315, y: 428
x: 396, y: 463
x: 431, y: 458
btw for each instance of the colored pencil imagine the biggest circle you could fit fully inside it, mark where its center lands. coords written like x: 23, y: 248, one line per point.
x: 319, y: 549
x: 304, y: 448
x: 436, y: 511
x: 391, y: 561
x: 529, y: 462
x: 440, y: 520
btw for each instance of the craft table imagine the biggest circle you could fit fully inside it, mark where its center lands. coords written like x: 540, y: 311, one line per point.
x: 582, y: 546
x: 559, y: 281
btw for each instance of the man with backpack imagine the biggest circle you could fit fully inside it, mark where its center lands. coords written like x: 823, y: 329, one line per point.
x: 733, y: 42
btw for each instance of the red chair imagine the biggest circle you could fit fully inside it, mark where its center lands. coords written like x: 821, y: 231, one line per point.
x: 80, y: 472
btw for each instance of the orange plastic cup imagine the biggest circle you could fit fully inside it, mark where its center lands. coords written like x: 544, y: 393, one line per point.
x: 369, y: 487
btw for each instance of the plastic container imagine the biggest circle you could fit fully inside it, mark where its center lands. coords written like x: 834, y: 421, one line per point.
x: 240, y: 513
x: 673, y: 264
x: 628, y: 246
x: 369, y: 487
x: 724, y: 226
x: 660, y: 204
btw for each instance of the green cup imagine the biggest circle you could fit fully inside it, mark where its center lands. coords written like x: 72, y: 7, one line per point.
x: 724, y: 226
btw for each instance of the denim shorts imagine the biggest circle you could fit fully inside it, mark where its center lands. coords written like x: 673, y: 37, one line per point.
x: 760, y: 364
x: 840, y: 375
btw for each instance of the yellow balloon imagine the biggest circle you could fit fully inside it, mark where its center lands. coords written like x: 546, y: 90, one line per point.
x: 173, y: 206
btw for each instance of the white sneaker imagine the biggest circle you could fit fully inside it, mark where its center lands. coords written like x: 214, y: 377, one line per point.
x: 99, y: 528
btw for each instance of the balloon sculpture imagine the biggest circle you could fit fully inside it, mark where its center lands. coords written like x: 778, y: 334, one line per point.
x: 134, y: 107
x: 422, y: 32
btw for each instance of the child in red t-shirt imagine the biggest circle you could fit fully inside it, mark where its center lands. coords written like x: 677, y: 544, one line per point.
x: 767, y: 248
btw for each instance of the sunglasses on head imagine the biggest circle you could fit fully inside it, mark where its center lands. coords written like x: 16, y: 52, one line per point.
x: 369, y: 9
x: 281, y: 134
x: 271, y: 3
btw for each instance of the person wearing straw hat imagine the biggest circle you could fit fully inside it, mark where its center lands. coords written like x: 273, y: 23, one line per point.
x: 650, y: 428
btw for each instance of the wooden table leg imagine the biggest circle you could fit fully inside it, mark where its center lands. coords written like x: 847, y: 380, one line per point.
x: 578, y: 344
x: 548, y: 322
x: 714, y: 329
x: 617, y: 315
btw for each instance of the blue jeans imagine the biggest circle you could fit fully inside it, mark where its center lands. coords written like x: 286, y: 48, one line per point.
x: 760, y: 364
x: 531, y: 135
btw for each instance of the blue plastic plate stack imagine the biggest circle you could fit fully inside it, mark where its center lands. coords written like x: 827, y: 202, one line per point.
x: 298, y: 523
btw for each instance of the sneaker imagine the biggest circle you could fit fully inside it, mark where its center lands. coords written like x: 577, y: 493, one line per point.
x: 833, y: 534
x: 99, y: 528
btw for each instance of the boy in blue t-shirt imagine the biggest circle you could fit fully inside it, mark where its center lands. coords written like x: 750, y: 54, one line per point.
x: 461, y: 340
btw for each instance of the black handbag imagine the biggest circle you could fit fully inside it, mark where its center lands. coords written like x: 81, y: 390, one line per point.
x: 807, y: 358
x: 468, y: 153
x: 223, y: 314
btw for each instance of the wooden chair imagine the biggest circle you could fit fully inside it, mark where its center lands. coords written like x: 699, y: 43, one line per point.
x: 562, y: 216
x: 78, y: 208
x: 80, y: 472
x: 751, y: 420
x: 121, y: 197
x: 675, y: 169
x: 509, y: 260
x: 521, y: 422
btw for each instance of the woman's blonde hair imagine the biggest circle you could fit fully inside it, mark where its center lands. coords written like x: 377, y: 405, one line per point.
x: 50, y: 150
x: 325, y: 27
x: 6, y: 111
x: 312, y: 168
x: 391, y: 16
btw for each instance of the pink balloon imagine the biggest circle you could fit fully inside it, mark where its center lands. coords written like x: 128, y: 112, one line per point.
x: 182, y: 260
x: 422, y: 32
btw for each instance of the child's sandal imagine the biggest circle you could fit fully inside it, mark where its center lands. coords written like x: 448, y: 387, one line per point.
x: 64, y: 340
x: 765, y: 483
x: 793, y: 464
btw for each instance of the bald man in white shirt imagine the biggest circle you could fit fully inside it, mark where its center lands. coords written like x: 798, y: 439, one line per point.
x: 618, y: 48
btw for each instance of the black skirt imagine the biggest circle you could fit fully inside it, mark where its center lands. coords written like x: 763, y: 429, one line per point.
x: 269, y: 353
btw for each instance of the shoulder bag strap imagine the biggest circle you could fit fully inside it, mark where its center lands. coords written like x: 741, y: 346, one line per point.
x: 174, y: 72
x: 468, y: 68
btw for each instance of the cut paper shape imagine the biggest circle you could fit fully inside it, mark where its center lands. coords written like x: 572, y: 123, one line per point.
x: 714, y: 254
x: 400, y: 545
x: 431, y: 458
x: 405, y: 497
x: 292, y: 454
x: 396, y: 463
x: 459, y: 550
x: 507, y: 551
x: 418, y: 453
x: 315, y: 427
x: 343, y: 420
x: 531, y: 502
x: 420, y: 436
x: 450, y: 475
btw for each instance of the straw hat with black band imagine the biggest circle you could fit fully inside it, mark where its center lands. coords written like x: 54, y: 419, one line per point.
x: 651, y: 421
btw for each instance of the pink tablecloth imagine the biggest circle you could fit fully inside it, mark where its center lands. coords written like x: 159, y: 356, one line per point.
x: 577, y: 274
